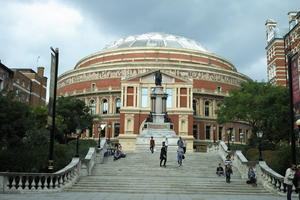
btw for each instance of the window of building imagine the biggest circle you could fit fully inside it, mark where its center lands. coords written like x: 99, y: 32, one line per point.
x: 195, y: 107
x: 117, y: 129
x: 92, y: 107
x: 207, y: 132
x: 118, y: 105
x: 220, y: 132
x: 93, y: 86
x: 195, y: 131
x: 144, y: 97
x: 104, y: 106
x: 219, y: 89
x: 169, y: 91
x: 206, y: 108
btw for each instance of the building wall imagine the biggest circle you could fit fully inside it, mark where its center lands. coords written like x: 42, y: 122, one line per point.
x: 123, y: 73
x: 6, y: 78
x: 280, y: 44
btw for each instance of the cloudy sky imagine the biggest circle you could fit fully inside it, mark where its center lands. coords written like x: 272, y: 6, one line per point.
x: 233, y: 29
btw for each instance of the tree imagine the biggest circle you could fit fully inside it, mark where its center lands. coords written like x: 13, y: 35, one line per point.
x: 73, y: 113
x: 39, y: 116
x: 263, y: 106
x: 14, y: 121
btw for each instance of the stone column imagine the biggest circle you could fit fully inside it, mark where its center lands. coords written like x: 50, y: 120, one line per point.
x: 164, y: 104
x: 152, y: 104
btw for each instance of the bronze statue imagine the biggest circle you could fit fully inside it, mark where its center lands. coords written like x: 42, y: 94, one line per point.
x: 158, y: 78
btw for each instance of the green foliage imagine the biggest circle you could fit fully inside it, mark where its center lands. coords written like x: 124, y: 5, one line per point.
x: 263, y: 106
x: 39, y: 116
x: 34, y: 158
x: 73, y: 113
x: 14, y: 121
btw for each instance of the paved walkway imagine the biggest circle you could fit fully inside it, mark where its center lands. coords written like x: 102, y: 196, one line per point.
x: 126, y: 196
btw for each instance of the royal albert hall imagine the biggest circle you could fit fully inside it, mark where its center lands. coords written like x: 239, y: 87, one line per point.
x: 116, y: 84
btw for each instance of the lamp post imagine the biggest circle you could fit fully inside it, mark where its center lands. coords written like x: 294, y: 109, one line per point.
x: 99, y: 132
x: 214, y: 132
x: 259, y: 135
x: 232, y: 137
x: 78, y: 132
x: 228, y: 137
x: 100, y: 128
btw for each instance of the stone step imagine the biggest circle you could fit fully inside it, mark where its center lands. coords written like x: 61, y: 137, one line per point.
x: 140, y: 173
x: 170, y: 191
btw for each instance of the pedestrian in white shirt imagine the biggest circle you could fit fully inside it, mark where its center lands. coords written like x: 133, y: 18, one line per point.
x: 288, y: 180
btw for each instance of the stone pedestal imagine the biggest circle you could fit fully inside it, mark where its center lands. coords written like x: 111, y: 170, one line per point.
x: 128, y: 141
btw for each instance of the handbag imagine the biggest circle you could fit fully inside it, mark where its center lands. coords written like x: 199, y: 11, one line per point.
x: 183, y: 157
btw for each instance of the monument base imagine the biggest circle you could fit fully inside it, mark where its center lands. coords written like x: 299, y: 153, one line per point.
x: 128, y: 142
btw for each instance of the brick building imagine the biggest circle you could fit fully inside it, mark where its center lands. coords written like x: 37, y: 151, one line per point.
x: 6, y: 77
x: 280, y: 43
x: 116, y: 84
x: 29, y: 87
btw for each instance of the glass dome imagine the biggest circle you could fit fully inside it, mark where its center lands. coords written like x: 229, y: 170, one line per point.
x: 156, y: 40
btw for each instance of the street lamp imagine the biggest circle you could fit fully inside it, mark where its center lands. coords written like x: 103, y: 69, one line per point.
x: 228, y: 137
x: 259, y: 135
x: 100, y: 127
x: 78, y: 132
x: 99, y: 131
x: 232, y: 138
x: 214, y: 132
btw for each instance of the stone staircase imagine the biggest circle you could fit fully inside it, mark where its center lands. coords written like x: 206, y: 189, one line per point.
x: 140, y: 173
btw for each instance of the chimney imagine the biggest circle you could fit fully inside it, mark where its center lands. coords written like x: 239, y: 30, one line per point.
x: 292, y: 18
x: 40, y: 71
x: 271, y: 26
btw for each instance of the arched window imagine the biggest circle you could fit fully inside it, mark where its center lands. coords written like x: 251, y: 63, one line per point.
x: 206, y: 108
x: 92, y: 107
x: 195, y: 107
x: 118, y: 105
x: 104, y: 106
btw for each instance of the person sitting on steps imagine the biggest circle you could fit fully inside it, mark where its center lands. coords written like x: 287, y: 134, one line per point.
x: 251, y: 177
x: 119, y: 153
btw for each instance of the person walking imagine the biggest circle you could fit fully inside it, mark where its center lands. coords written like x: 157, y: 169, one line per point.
x: 163, y: 154
x: 288, y: 180
x: 297, y: 180
x: 228, y: 172
x: 180, y: 155
x: 152, y: 144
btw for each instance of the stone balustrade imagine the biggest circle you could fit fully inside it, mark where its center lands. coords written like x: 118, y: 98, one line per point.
x: 19, y: 182
x: 271, y: 180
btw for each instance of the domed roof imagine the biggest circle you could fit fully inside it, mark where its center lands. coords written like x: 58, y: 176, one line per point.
x: 156, y: 40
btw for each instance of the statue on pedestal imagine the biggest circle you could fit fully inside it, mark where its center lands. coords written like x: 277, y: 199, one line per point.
x: 158, y: 78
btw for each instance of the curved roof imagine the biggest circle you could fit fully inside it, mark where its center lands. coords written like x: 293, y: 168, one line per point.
x: 156, y: 40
